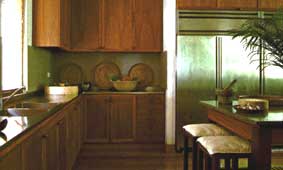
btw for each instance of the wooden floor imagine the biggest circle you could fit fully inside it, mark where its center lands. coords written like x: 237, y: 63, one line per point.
x: 129, y: 157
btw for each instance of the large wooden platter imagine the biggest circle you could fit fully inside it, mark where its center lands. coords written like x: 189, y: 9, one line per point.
x: 143, y: 73
x: 71, y: 74
x: 102, y: 74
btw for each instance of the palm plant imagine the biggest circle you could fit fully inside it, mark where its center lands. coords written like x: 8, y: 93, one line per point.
x: 266, y: 34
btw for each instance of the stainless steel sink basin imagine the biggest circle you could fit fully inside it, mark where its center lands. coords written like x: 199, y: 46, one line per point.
x: 24, y: 111
x: 28, y: 109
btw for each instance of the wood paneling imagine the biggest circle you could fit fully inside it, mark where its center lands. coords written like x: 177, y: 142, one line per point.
x: 11, y: 161
x: 237, y: 4
x: 270, y: 4
x: 97, y: 118
x: 148, y: 25
x: 32, y: 153
x: 118, y: 34
x: 150, y: 119
x: 86, y: 24
x: 242, y: 129
x: 196, y: 4
x: 51, y: 23
x: 62, y: 132
x: 122, y: 118
x: 51, y: 148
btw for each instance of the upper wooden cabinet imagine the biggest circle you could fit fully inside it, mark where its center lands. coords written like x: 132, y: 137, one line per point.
x: 51, y: 23
x: 270, y: 4
x: 148, y: 25
x: 99, y: 25
x: 118, y: 26
x: 196, y: 4
x: 86, y: 24
x: 237, y: 4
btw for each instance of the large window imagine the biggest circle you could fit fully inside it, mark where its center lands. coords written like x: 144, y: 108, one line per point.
x: 12, y: 28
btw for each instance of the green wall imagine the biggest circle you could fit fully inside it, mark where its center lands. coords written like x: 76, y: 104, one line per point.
x: 39, y: 64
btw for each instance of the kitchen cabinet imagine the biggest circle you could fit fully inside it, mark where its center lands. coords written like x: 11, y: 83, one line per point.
x: 118, y: 25
x: 150, y: 126
x: 86, y: 25
x: 148, y: 25
x: 51, y: 23
x: 122, y: 118
x: 219, y: 4
x: 125, y: 118
x: 73, y: 132
x: 32, y: 153
x: 237, y: 4
x: 12, y: 160
x: 97, y: 118
x: 50, y: 147
x: 270, y: 4
x: 109, y: 118
x: 196, y: 4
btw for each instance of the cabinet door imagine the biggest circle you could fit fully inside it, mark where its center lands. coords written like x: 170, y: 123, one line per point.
x: 65, y: 24
x: 46, y: 22
x: 32, y: 153
x: 237, y: 4
x: 270, y: 4
x: 196, y: 4
x: 150, y: 119
x: 97, y: 118
x: 11, y: 161
x: 118, y: 34
x: 122, y: 118
x: 62, y: 144
x: 51, y: 148
x: 86, y: 24
x: 148, y: 25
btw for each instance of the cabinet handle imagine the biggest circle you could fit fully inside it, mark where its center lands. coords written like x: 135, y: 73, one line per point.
x: 44, y: 136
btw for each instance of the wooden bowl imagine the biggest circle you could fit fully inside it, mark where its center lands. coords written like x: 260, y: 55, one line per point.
x: 125, y: 85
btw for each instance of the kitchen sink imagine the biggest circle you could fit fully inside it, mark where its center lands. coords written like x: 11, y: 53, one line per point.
x: 28, y: 109
x: 24, y: 111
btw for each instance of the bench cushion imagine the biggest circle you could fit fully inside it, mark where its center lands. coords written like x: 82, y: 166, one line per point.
x: 224, y: 144
x: 205, y: 129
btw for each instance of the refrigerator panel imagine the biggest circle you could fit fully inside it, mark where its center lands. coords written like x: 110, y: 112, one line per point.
x: 196, y: 79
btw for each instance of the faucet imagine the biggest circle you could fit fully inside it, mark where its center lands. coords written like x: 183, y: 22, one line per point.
x: 12, y: 95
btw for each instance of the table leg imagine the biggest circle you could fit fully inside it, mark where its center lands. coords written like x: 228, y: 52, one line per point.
x: 261, y: 149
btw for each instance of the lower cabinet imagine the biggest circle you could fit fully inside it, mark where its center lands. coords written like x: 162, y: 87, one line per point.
x: 11, y: 161
x: 54, y: 146
x: 32, y: 152
x: 124, y: 118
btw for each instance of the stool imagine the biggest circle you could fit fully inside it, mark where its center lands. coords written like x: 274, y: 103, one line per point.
x: 215, y: 148
x: 195, y: 131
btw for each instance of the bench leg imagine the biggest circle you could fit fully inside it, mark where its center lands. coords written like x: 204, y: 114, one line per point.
x: 194, y: 153
x: 199, y: 165
x: 235, y: 163
x: 227, y: 164
x: 215, y: 163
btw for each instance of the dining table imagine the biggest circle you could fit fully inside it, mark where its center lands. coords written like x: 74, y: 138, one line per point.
x: 263, y: 129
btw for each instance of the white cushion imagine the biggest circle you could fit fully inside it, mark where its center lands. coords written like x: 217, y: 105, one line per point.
x: 206, y: 129
x: 224, y: 144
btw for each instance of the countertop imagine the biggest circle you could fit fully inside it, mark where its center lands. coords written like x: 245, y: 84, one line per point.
x: 272, y: 117
x: 19, y: 125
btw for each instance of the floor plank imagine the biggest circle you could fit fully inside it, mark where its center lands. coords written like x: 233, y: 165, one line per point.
x: 135, y: 157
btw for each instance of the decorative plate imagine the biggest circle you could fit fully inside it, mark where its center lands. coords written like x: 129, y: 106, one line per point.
x: 102, y: 74
x: 71, y: 74
x: 143, y: 73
